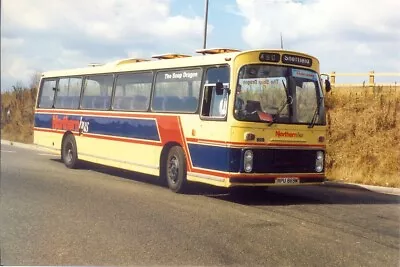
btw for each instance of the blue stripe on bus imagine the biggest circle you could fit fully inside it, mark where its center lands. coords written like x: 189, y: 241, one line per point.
x: 43, y: 120
x: 130, y: 128
x: 215, y: 157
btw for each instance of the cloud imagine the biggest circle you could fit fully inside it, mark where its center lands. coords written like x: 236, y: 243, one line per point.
x: 363, y: 49
x: 73, y: 33
x: 347, y: 35
x: 13, y: 65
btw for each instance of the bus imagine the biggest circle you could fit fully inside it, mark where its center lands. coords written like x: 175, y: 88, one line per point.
x: 224, y: 117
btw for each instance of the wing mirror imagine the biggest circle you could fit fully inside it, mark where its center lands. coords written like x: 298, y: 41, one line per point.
x: 219, y: 88
x: 328, y: 86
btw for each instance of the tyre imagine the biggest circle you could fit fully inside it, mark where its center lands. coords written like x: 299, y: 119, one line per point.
x: 175, y: 170
x: 69, y: 152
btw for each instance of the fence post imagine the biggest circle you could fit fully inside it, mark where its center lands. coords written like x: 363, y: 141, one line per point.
x: 333, y: 78
x: 371, y: 78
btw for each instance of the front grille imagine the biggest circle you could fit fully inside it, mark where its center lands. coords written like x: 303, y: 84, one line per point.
x: 283, y: 161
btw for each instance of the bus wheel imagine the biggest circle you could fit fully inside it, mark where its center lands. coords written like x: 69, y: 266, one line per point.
x: 69, y: 152
x: 175, y: 170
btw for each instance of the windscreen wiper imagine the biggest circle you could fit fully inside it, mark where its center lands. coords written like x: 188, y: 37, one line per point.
x: 316, y: 113
x: 288, y: 101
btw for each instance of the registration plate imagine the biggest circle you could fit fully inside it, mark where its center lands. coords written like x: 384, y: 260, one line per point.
x: 287, y: 180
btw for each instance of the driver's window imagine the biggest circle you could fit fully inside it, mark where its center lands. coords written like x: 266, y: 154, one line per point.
x: 220, y: 105
x: 47, y: 92
x: 215, y: 102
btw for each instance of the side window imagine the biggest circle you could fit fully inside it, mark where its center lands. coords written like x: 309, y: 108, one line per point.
x: 75, y: 86
x: 47, y: 94
x: 97, y: 92
x: 177, y: 90
x: 132, y: 91
x: 68, y: 93
x: 215, y: 100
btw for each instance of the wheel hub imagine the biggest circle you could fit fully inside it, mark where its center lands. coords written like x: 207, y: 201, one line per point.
x: 173, y: 169
x: 69, y: 152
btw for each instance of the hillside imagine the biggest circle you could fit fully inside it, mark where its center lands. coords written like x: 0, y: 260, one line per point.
x: 364, y: 135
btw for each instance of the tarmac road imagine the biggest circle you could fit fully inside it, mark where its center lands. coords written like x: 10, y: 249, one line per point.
x: 51, y: 215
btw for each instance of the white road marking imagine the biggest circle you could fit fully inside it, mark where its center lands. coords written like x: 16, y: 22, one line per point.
x: 9, y: 151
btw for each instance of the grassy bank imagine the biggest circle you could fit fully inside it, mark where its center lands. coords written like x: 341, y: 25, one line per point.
x: 364, y: 135
x: 363, y: 131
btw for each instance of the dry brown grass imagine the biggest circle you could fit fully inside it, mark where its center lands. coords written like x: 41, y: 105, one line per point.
x: 364, y: 135
x: 363, y: 132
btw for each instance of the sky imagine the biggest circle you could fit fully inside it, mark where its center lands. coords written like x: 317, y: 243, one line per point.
x: 346, y: 35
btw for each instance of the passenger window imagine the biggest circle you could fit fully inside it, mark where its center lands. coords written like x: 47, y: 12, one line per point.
x: 47, y: 92
x: 75, y: 86
x: 215, y: 100
x: 177, y: 90
x: 97, y: 92
x: 68, y: 93
x: 132, y: 91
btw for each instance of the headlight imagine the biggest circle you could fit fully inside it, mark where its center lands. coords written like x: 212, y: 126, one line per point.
x: 248, y: 161
x: 319, y: 161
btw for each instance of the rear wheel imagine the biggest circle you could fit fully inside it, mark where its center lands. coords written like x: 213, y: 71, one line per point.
x: 175, y: 169
x: 69, y: 152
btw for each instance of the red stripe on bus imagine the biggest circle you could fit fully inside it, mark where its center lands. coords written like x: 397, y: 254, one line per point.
x: 47, y: 130
x: 185, y: 146
x: 170, y: 129
x: 297, y: 145
x: 210, y: 172
x: 209, y: 141
x: 198, y: 140
x: 255, y: 175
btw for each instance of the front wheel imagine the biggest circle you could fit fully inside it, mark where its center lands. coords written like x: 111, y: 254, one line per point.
x: 175, y: 170
x: 69, y: 152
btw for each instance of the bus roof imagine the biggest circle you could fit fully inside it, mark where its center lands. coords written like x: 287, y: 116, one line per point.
x: 165, y: 62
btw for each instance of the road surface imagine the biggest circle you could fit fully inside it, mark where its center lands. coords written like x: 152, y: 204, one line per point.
x: 51, y: 215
